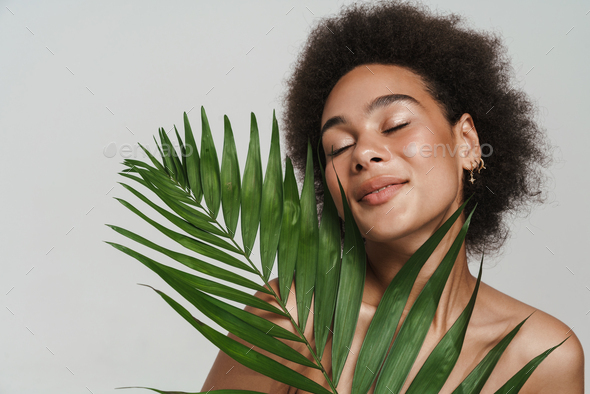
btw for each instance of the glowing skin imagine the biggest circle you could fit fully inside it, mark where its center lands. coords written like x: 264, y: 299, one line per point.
x: 401, y: 153
x: 396, y: 228
x: 420, y: 152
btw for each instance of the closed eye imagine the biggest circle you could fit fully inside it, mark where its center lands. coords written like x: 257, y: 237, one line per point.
x: 391, y: 130
x: 396, y: 128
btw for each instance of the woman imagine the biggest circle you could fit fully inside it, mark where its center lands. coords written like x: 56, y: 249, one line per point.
x: 416, y: 113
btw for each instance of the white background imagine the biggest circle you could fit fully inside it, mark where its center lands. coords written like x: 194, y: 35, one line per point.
x: 78, y: 77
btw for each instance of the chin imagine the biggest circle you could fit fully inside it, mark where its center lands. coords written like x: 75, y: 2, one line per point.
x: 385, y: 231
x: 400, y: 222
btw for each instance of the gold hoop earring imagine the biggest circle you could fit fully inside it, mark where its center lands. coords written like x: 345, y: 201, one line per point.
x: 472, y: 179
x: 481, y: 166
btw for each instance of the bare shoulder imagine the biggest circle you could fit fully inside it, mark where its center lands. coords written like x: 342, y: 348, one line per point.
x: 226, y: 373
x: 563, y: 369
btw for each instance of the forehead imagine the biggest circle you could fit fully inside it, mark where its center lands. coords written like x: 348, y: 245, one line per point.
x: 362, y: 84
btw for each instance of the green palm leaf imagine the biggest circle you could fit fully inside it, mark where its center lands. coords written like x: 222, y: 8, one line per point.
x: 172, y: 158
x: 183, y: 159
x: 389, y: 311
x: 244, y: 355
x: 230, y: 179
x: 200, y: 392
x: 191, y: 215
x: 260, y: 323
x: 205, y: 285
x: 194, y: 263
x: 165, y: 184
x: 237, y: 326
x: 183, y: 224
x: 251, y: 189
x: 193, y: 162
x: 328, y: 268
x: 210, y: 178
x: 166, y: 150
x: 475, y: 381
x: 411, y: 335
x: 158, y: 165
x: 162, y: 182
x: 517, y: 381
x: 289, y: 237
x: 350, y: 289
x: 332, y: 277
x: 307, y: 250
x: 271, y: 209
x: 168, y: 170
x: 437, y: 368
x: 193, y: 244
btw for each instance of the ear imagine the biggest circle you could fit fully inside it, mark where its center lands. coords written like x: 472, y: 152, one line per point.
x: 465, y: 136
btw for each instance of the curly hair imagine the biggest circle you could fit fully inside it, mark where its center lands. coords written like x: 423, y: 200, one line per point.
x: 465, y: 71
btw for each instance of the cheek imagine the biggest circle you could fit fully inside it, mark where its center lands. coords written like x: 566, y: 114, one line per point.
x: 334, y: 190
x: 411, y: 149
x: 432, y: 162
x: 436, y: 175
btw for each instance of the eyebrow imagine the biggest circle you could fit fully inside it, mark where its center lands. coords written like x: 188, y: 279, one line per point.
x: 379, y: 102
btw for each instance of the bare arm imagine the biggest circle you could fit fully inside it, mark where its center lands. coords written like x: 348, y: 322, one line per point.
x: 226, y: 373
x: 562, y: 372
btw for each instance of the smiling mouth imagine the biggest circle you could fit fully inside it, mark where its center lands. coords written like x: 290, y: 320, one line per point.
x: 381, y: 195
x: 383, y: 188
x: 378, y: 190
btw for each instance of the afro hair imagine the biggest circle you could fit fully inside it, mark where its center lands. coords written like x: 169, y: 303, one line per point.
x: 465, y: 71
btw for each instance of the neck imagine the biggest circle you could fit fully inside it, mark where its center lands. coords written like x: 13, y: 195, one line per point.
x: 385, y: 260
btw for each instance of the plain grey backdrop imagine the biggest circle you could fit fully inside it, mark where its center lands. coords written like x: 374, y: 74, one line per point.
x: 81, y: 83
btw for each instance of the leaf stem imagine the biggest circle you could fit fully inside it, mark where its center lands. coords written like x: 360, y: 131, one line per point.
x: 299, y: 331
x: 226, y: 232
x: 274, y: 294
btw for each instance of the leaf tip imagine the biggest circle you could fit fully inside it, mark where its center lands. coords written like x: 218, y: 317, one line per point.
x: 143, y: 284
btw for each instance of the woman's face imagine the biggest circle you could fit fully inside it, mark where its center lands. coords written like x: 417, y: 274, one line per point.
x: 385, y: 128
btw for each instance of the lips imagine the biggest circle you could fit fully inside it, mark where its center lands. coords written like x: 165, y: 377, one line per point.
x: 376, y: 183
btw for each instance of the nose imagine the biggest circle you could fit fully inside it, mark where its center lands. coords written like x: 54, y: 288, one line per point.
x: 369, y: 150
